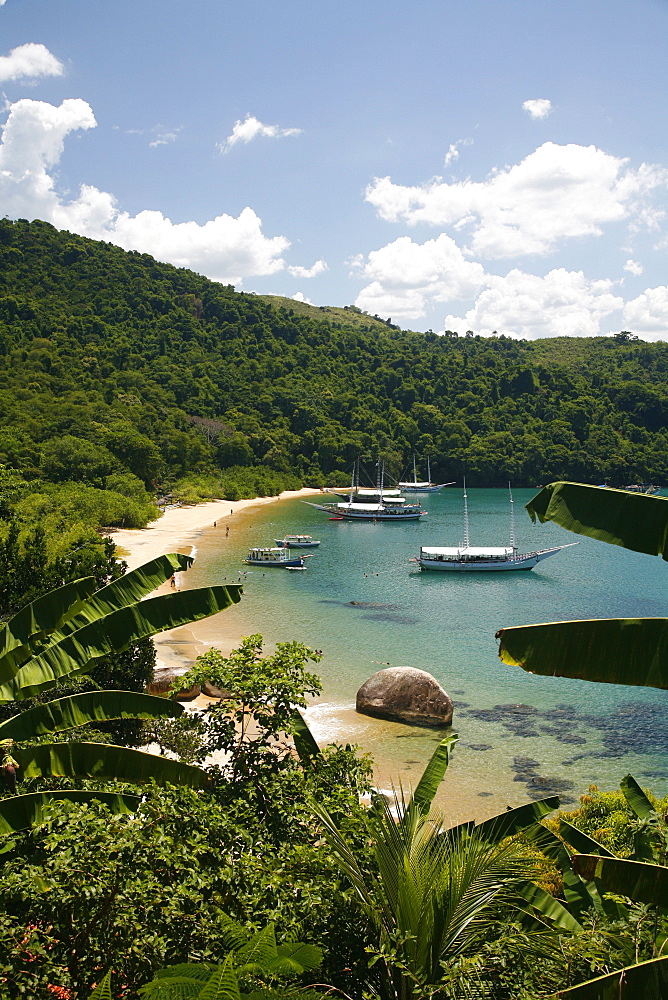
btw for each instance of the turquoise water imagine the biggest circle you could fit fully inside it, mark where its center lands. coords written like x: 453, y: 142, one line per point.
x: 366, y: 606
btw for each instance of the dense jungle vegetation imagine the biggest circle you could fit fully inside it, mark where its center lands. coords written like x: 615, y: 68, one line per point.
x: 122, y: 372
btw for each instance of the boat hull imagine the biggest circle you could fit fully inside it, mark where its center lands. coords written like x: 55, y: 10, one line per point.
x: 284, y: 543
x: 522, y: 561
x: 280, y: 563
x: 350, y: 513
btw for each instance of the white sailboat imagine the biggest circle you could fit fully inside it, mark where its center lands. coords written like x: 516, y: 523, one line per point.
x: 383, y: 508
x: 422, y: 487
x: 466, y: 558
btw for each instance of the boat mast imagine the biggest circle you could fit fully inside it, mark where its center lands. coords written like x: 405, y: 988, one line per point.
x: 429, y: 470
x: 513, y: 543
x: 414, y: 470
x: 352, y: 479
x: 466, y: 518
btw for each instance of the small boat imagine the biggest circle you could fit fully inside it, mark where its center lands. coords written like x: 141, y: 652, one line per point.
x: 415, y: 486
x: 465, y: 558
x: 297, y: 542
x: 296, y: 569
x: 273, y: 557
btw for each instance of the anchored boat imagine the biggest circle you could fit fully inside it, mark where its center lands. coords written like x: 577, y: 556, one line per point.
x: 273, y: 557
x: 422, y: 487
x: 466, y: 558
x: 383, y: 508
x: 297, y: 542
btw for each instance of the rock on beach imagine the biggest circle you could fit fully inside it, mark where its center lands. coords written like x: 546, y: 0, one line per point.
x: 405, y: 694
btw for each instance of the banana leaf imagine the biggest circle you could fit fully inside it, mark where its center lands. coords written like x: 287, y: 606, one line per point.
x: 80, y: 709
x: 304, y: 741
x: 582, y: 842
x: 632, y: 520
x: 647, y: 980
x: 514, y: 820
x: 128, y: 589
x: 43, y: 615
x: 611, y: 650
x: 636, y: 798
x: 20, y: 812
x: 579, y: 895
x: 114, y: 633
x: 549, y: 907
x: 104, y: 761
x: 433, y: 774
x: 639, y: 881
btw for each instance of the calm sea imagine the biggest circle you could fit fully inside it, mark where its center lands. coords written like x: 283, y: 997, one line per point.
x: 366, y: 606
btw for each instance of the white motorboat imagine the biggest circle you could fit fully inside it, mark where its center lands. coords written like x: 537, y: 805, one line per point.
x: 297, y: 542
x: 258, y: 556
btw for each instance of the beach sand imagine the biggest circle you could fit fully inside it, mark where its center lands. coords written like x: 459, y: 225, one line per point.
x: 177, y: 531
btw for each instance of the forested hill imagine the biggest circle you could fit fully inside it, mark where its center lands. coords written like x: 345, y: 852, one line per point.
x: 114, y: 364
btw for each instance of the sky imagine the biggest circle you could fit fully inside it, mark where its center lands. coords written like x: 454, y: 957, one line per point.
x: 499, y: 166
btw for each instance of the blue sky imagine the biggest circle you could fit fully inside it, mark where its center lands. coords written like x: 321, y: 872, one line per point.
x: 494, y: 165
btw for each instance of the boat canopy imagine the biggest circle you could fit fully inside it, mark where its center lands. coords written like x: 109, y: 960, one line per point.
x: 467, y: 552
x: 419, y: 486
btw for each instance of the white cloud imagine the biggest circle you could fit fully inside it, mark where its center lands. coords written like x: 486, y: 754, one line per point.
x: 250, y: 128
x: 27, y: 61
x: 225, y: 248
x: 555, y: 193
x: 163, y: 136
x: 562, y: 303
x: 633, y: 267
x: 453, y: 151
x: 538, y: 108
x: 647, y: 315
x: 300, y: 297
x: 405, y: 277
x: 297, y: 271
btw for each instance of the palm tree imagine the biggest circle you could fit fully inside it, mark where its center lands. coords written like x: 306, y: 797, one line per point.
x: 60, y: 636
x: 432, y: 894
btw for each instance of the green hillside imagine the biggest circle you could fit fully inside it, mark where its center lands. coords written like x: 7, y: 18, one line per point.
x: 115, y: 365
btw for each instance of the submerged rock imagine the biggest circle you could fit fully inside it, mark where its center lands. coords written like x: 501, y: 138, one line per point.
x: 405, y: 694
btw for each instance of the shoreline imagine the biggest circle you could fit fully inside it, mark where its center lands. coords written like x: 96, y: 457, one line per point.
x: 179, y: 527
x: 178, y: 531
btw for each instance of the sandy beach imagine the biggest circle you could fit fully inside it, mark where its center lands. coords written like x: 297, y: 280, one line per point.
x: 177, y: 531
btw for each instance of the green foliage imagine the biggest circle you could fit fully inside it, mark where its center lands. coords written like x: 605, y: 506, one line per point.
x: 147, y: 369
x: 254, y: 962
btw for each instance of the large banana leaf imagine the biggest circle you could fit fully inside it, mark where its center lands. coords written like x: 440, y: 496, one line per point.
x: 80, y: 709
x: 612, y: 650
x: 514, y: 820
x: 646, y: 981
x: 433, y: 774
x: 113, y: 633
x: 632, y: 520
x: 639, y: 881
x: 42, y: 615
x: 582, y: 842
x: 304, y: 740
x: 101, y: 760
x: 636, y: 798
x: 579, y: 895
x: 20, y: 812
x: 549, y: 907
x: 128, y: 589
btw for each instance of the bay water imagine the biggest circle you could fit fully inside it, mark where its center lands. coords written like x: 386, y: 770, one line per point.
x: 366, y: 606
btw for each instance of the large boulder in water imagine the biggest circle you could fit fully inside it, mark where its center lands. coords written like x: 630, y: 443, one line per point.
x: 405, y: 694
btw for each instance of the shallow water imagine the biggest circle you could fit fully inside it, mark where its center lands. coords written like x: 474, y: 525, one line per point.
x: 366, y: 606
